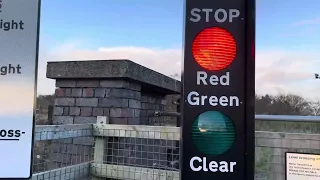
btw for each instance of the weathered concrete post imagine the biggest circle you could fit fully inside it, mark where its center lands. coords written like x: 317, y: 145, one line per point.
x: 126, y: 92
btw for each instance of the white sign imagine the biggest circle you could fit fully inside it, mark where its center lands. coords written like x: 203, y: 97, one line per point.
x: 19, y: 32
x: 302, y: 166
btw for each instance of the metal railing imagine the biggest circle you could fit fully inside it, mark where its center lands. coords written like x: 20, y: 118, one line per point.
x: 60, y: 152
x: 103, y: 150
x: 287, y: 118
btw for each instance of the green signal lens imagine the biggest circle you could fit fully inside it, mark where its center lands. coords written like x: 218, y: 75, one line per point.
x: 213, y: 133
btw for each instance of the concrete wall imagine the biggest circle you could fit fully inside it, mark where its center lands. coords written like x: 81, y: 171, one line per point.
x: 129, y: 94
x: 271, y: 148
x: 81, y: 101
x: 149, y: 104
x: 124, y: 91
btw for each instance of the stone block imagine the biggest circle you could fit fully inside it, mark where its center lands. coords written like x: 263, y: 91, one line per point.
x: 106, y: 111
x: 266, y: 142
x: 279, y: 168
x: 59, y: 157
x: 274, y: 159
x: 137, y: 112
x: 63, y: 92
x: 121, y: 112
x: 134, y: 86
x: 120, y: 84
x: 92, y: 102
x: 143, y: 105
x: 100, y: 92
x: 285, y: 143
x: 67, y: 92
x: 150, y: 106
x: 57, y: 111
x: 143, y: 113
x: 77, y: 148
x: 144, y: 121
x: 85, y: 120
x: 65, y: 83
x: 78, y: 159
x: 66, y: 111
x: 88, y: 92
x: 86, y: 111
x: 278, y: 151
x: 276, y: 175
x: 144, y: 98
x: 88, y: 83
x: 300, y: 143
x: 156, y: 120
x: 57, y: 120
x: 71, y: 148
x: 151, y: 100
x: 59, y: 92
x: 114, y: 83
x: 62, y: 148
x: 113, y: 102
x: 76, y: 92
x: 146, y: 106
x: 62, y: 141
x: 133, y: 121
x: 315, y: 144
x: 154, y: 106
x: 150, y: 113
x: 74, y: 111
x: 163, y: 102
x: 83, y: 141
x: 123, y: 121
x: 162, y: 107
x: 134, y: 104
x: 122, y: 93
x: 97, y: 112
x: 64, y: 102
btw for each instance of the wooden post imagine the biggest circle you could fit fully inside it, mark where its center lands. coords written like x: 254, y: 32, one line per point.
x: 99, y: 145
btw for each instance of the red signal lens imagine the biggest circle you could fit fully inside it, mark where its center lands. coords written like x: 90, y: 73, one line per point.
x: 214, y: 48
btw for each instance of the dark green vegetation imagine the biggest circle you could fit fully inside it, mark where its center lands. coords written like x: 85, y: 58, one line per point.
x: 269, y: 162
x: 287, y: 105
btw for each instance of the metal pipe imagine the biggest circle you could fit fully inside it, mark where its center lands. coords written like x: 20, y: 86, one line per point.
x: 167, y: 113
x: 286, y: 118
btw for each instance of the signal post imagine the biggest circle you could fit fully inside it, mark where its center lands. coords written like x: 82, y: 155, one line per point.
x: 217, y: 139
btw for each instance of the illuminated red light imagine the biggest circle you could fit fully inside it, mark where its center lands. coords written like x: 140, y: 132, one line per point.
x: 214, y: 48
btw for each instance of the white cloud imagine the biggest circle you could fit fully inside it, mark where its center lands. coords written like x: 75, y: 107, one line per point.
x: 276, y: 70
x: 10, y: 94
x: 314, y: 21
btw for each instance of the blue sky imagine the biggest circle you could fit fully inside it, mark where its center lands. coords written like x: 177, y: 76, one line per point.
x: 158, y: 23
x: 276, y: 20
x: 149, y: 32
